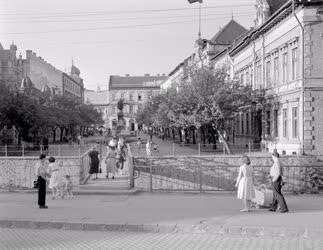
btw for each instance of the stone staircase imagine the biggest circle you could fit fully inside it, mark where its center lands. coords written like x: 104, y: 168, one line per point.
x: 107, y: 186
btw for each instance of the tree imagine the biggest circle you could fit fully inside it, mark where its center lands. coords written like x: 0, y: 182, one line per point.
x: 207, y: 101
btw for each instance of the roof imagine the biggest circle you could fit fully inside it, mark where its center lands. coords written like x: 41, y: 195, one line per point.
x: 129, y: 82
x: 274, y: 19
x: 229, y: 33
x: 96, y: 97
x: 274, y: 5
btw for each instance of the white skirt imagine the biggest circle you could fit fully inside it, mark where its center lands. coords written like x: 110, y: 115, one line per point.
x: 246, y: 189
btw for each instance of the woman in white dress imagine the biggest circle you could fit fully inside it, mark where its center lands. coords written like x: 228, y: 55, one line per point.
x: 54, y: 179
x: 246, y: 191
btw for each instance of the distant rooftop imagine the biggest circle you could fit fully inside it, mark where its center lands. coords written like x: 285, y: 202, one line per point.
x: 96, y: 97
x: 130, y: 82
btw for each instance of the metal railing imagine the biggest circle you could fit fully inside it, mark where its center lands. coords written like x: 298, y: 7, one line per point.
x: 35, y: 150
x: 195, y: 173
x: 177, y: 149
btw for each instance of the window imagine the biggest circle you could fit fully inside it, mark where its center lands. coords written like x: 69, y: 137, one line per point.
x: 268, y: 128
x: 242, y: 79
x: 139, y: 97
x: 276, y: 123
x: 294, y: 63
x: 251, y: 76
x: 247, y: 78
x: 113, y: 97
x: 130, y: 109
x: 285, y: 124
x: 258, y: 76
x: 247, y: 124
x: 276, y: 71
x: 131, y: 97
x: 284, y: 68
x: 295, y: 122
x: 242, y: 124
x: 122, y: 96
x: 268, y: 72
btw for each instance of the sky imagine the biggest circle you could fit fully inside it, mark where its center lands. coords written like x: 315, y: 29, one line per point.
x: 106, y: 37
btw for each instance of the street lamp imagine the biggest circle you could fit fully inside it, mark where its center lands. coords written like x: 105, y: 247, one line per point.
x: 200, y: 7
x: 199, y: 41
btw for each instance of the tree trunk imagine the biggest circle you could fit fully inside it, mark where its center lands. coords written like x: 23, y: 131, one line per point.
x: 180, y: 136
x: 226, y: 145
x: 54, y: 135
x: 193, y: 133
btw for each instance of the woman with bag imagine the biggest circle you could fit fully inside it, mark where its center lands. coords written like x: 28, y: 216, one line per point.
x: 246, y: 190
x: 94, y: 162
x: 111, y: 161
x: 41, y: 174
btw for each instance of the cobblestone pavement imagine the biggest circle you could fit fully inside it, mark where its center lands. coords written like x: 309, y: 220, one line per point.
x: 60, y: 239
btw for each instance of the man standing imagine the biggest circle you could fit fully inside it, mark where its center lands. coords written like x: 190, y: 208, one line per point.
x: 276, y: 173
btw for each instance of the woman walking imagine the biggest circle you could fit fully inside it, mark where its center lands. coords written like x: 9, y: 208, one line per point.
x: 41, y: 174
x: 276, y: 173
x: 246, y: 191
x: 111, y: 161
x: 94, y: 162
x: 55, y: 178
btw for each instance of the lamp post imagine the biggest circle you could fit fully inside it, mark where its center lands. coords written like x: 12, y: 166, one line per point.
x: 199, y: 40
x: 200, y: 8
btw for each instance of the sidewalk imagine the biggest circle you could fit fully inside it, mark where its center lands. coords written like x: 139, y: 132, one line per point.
x: 164, y: 212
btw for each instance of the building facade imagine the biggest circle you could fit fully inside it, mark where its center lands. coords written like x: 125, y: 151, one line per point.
x: 203, y: 54
x: 134, y: 91
x: 100, y: 101
x: 45, y: 76
x: 11, y: 71
x: 282, y: 60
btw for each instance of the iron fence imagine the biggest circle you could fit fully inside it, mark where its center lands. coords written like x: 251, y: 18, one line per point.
x: 35, y: 150
x: 208, y: 173
x: 178, y: 149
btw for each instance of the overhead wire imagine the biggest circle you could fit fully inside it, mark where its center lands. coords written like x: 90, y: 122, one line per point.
x: 123, y: 18
x: 106, y: 28
x: 73, y: 14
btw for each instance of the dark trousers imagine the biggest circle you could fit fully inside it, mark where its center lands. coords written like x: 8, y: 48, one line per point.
x: 278, y: 196
x: 41, y: 191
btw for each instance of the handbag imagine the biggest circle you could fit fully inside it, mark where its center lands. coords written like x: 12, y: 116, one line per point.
x: 35, y: 184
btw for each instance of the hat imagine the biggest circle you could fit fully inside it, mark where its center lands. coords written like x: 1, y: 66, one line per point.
x: 275, y: 154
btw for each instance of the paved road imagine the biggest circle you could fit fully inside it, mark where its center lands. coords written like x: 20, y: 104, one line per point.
x: 60, y: 239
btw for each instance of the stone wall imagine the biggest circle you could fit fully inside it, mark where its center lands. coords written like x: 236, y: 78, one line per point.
x: 19, y: 172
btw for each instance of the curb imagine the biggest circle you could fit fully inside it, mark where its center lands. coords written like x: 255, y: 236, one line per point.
x: 199, y: 228
x: 81, y: 192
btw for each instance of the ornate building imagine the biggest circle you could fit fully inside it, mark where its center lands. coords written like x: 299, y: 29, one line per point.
x: 10, y: 67
x: 135, y: 91
x: 281, y: 58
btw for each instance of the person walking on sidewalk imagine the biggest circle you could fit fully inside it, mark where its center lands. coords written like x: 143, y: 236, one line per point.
x: 148, y: 148
x: 55, y: 177
x: 41, y: 174
x: 246, y: 190
x: 276, y: 173
x: 94, y: 162
x: 110, y: 160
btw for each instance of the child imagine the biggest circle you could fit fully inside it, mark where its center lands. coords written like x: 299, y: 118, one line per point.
x: 68, y: 186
